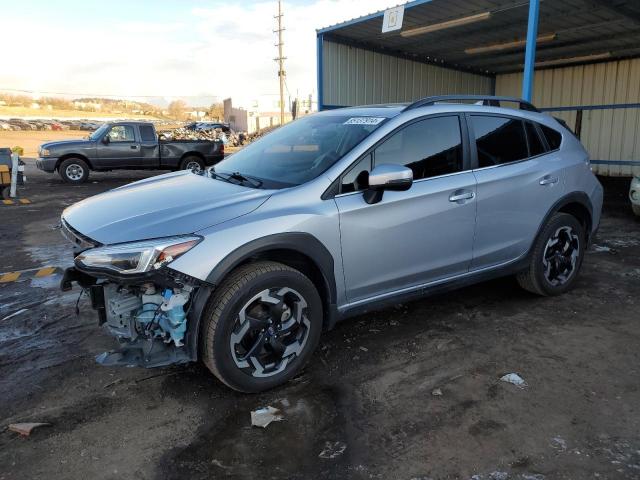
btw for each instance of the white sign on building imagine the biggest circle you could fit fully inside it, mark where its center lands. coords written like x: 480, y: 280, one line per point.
x: 392, y: 19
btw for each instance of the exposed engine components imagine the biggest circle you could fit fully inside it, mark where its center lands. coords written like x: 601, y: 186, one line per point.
x: 147, y: 312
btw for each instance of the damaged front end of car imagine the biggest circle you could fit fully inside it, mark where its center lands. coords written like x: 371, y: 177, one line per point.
x: 140, y: 300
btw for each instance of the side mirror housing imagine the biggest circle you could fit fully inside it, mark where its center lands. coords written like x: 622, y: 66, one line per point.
x: 106, y: 140
x: 387, y: 177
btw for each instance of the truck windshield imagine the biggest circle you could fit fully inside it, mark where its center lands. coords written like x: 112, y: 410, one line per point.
x: 98, y: 133
x: 301, y: 150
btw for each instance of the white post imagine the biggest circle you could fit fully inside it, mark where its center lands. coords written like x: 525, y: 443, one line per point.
x: 14, y: 174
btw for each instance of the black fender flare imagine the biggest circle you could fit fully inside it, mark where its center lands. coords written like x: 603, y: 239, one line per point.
x: 573, y: 197
x: 303, y: 243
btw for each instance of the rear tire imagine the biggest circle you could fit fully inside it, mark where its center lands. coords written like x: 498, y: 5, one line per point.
x: 193, y: 163
x: 261, y: 326
x: 556, y: 257
x: 74, y: 170
x: 636, y: 209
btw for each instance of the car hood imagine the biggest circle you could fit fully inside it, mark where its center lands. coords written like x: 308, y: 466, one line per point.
x: 66, y: 143
x: 172, y: 204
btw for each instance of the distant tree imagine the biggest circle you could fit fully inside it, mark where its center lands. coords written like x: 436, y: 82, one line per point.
x: 177, y: 109
x: 216, y: 112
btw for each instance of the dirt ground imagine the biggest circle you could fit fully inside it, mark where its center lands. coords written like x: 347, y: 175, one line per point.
x: 366, y: 406
x: 31, y: 140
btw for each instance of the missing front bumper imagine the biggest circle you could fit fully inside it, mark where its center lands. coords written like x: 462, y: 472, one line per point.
x: 144, y: 353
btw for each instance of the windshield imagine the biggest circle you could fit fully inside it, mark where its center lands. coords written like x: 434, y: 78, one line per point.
x: 98, y: 133
x: 301, y: 150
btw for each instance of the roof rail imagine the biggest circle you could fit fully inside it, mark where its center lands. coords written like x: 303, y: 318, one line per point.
x: 487, y: 100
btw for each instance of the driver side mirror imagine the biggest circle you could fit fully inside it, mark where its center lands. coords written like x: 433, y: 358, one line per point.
x: 387, y: 177
x: 106, y: 139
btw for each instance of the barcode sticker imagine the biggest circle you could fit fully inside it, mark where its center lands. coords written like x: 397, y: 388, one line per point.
x: 364, y: 120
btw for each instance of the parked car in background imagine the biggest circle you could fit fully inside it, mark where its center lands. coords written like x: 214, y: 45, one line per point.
x: 20, y: 124
x: 89, y: 126
x: 329, y: 216
x: 125, y: 145
x: 5, y: 126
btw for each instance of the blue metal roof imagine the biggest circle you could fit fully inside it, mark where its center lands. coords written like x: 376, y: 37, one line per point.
x: 579, y: 29
x: 378, y: 14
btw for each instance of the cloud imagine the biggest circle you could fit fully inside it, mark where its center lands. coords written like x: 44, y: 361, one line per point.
x: 148, y: 27
x: 226, y: 49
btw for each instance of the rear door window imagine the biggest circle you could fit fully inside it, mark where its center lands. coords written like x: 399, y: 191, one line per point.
x: 536, y: 147
x: 499, y: 140
x: 554, y: 138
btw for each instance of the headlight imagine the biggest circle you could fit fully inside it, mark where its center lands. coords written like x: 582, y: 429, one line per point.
x: 44, y: 152
x: 137, y: 257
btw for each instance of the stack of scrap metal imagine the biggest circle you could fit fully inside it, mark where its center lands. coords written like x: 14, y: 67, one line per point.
x: 228, y: 138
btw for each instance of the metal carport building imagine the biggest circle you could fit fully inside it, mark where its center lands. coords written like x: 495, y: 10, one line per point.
x: 586, y: 61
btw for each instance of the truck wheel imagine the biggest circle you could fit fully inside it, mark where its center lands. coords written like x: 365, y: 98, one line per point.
x: 74, y: 170
x: 636, y: 209
x: 261, y: 326
x: 192, y: 163
x: 556, y: 257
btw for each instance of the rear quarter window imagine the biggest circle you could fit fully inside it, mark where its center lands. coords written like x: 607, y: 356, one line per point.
x: 146, y: 133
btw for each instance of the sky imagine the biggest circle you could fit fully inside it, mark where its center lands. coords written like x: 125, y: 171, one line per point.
x: 165, y: 48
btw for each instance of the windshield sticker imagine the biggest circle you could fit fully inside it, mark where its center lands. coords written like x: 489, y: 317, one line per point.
x: 364, y: 121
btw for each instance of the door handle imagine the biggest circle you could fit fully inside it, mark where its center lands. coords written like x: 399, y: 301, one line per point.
x: 460, y: 195
x: 134, y: 147
x: 548, y: 180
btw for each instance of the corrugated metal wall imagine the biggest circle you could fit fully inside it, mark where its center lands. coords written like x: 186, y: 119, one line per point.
x: 353, y: 76
x: 607, y: 134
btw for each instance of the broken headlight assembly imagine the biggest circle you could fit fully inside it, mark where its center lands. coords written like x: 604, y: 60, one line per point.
x: 137, y: 257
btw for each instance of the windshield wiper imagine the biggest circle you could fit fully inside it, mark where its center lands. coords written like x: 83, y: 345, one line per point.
x: 224, y: 178
x: 256, y: 183
x: 227, y: 177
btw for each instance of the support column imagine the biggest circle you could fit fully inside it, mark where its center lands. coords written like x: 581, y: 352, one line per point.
x: 319, y: 61
x: 530, y: 54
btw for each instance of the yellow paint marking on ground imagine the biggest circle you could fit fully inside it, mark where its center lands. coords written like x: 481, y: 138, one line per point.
x: 7, y: 202
x: 45, y: 272
x: 9, y: 277
x: 24, y: 201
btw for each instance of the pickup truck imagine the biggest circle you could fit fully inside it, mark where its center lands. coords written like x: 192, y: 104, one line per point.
x: 125, y: 145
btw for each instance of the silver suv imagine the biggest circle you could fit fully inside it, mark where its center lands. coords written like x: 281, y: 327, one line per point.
x: 335, y: 214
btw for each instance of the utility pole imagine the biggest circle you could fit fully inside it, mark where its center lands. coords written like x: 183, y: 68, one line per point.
x: 280, y: 60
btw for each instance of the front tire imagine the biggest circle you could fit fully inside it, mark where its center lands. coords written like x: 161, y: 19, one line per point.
x: 74, y: 170
x: 556, y: 257
x: 261, y: 326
